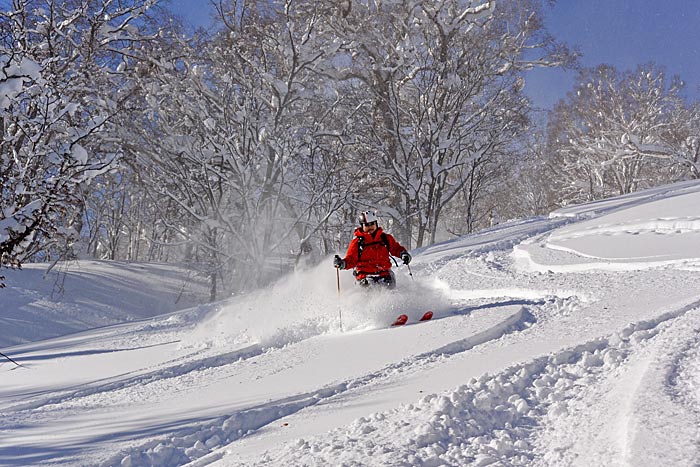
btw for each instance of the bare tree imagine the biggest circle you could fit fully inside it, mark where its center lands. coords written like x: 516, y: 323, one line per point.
x: 611, y: 136
x: 441, y: 85
x: 58, y: 66
x: 243, y: 144
x: 682, y: 140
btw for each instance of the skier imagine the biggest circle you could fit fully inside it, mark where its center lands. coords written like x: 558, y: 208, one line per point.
x: 369, y: 253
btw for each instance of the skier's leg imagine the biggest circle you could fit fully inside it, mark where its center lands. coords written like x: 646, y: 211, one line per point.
x: 389, y: 280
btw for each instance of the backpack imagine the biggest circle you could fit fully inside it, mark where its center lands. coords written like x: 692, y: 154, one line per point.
x: 361, y: 244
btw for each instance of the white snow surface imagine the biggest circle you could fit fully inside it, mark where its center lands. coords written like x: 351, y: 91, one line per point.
x: 567, y: 340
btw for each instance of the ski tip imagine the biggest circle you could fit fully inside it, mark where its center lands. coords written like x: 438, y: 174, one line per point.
x: 401, y: 320
x: 428, y: 315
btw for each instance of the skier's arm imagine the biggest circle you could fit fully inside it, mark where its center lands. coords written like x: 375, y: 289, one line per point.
x: 352, y: 254
x: 398, y: 250
x: 395, y: 248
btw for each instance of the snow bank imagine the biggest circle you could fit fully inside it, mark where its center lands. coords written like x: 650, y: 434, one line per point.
x: 560, y: 377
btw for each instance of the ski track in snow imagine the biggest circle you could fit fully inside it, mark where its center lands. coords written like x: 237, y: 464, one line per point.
x: 247, y: 421
x: 495, y: 420
x: 127, y: 389
x: 616, y: 386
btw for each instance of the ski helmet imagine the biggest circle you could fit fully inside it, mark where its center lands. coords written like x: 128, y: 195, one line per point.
x: 367, y: 217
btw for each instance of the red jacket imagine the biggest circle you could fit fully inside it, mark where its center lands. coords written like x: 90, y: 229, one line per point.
x: 375, y: 254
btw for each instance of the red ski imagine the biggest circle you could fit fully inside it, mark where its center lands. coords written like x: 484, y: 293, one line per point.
x: 403, y: 319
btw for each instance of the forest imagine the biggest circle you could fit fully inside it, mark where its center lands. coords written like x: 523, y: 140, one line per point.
x: 244, y: 151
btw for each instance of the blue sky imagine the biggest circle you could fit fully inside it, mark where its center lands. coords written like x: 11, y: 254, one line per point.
x: 623, y: 33
x: 194, y: 13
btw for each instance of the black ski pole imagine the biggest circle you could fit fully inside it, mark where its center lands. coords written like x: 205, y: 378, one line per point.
x: 2, y: 354
x: 337, y: 279
x: 340, y: 309
x: 409, y: 271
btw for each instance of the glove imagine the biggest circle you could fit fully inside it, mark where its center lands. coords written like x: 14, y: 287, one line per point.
x: 405, y: 257
x: 338, y: 262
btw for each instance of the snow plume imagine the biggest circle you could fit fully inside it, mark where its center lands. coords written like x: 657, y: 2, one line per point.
x: 372, y: 309
x: 308, y: 303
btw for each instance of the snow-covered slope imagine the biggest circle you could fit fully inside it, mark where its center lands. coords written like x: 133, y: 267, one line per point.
x: 566, y: 340
x: 39, y: 302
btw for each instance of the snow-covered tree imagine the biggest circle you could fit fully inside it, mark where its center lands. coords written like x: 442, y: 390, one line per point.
x: 611, y: 135
x: 265, y: 139
x: 441, y: 104
x: 682, y: 140
x: 242, y: 135
x: 60, y: 65
x: 243, y: 151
